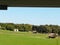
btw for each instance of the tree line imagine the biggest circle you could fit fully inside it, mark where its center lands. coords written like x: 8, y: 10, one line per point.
x: 29, y: 27
x: 12, y: 26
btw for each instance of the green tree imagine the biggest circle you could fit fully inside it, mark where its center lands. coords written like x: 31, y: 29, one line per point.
x: 10, y: 27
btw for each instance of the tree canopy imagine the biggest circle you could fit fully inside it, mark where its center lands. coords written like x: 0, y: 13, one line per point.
x: 29, y: 27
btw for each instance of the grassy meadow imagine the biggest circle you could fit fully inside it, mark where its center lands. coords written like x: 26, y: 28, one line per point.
x: 26, y: 38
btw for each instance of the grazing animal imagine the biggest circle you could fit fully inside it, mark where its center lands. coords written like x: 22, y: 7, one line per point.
x: 52, y: 35
x: 34, y: 31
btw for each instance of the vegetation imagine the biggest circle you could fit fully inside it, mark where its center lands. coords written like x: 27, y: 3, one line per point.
x: 29, y: 27
x: 26, y: 38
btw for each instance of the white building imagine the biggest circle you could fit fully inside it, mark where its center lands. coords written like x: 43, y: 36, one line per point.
x: 16, y: 30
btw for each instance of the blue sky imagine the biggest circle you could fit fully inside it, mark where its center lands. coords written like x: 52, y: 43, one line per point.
x: 31, y: 15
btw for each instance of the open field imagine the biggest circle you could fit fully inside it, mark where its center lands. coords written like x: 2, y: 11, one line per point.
x: 26, y: 38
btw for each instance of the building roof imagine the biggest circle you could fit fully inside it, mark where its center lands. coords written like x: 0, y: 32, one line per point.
x: 22, y: 3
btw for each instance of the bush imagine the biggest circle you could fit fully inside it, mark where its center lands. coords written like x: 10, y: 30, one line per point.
x: 59, y: 33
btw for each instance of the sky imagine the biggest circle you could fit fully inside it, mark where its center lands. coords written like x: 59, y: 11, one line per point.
x: 30, y: 15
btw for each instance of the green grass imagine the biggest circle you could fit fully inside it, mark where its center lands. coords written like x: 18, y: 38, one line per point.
x: 25, y: 38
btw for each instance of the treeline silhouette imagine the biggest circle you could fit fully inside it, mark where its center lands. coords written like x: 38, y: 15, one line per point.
x: 28, y: 27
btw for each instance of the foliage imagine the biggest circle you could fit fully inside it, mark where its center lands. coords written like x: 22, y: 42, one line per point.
x: 28, y: 27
